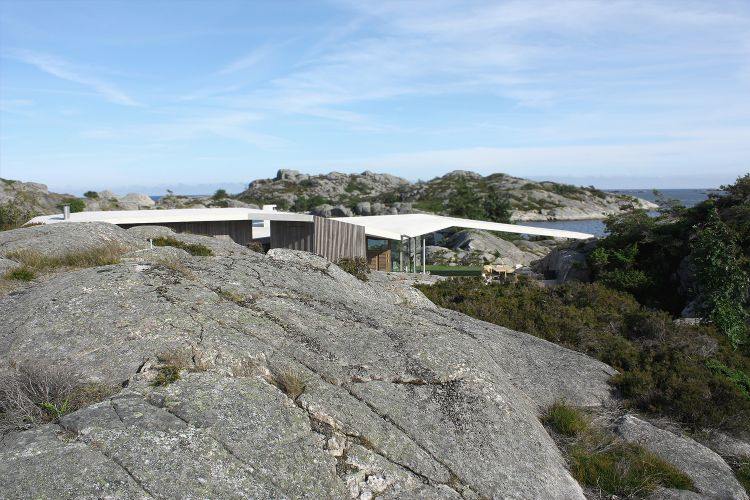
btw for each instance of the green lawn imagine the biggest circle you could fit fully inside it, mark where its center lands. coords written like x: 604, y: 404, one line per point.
x: 455, y: 270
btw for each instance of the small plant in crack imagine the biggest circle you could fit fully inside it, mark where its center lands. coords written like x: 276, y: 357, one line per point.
x: 293, y: 384
x: 166, y: 375
x: 32, y: 394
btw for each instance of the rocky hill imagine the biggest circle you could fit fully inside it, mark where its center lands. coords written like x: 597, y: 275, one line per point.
x: 31, y: 196
x: 239, y: 374
x: 369, y: 193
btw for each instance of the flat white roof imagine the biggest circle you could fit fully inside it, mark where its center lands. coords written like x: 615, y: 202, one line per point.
x: 380, y: 226
x: 173, y: 215
x: 392, y: 227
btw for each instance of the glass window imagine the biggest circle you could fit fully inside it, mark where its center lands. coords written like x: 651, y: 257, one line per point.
x: 373, y: 244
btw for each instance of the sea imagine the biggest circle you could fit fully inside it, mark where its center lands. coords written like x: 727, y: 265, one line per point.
x: 687, y: 197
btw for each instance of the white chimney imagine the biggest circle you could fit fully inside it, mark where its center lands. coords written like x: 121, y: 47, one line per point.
x: 66, y: 212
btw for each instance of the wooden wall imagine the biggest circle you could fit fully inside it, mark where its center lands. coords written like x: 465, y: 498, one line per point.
x: 328, y: 238
x: 335, y: 239
x: 239, y: 231
x: 292, y: 235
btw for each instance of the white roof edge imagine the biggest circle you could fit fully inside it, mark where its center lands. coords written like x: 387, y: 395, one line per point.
x: 412, y: 225
x: 172, y: 215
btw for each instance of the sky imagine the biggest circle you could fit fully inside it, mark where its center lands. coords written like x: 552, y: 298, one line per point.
x: 199, y: 95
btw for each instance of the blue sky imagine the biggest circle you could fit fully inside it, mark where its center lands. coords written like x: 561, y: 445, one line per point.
x: 148, y: 94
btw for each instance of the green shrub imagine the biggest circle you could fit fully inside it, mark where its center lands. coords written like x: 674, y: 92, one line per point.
x: 23, y: 273
x: 75, y: 204
x: 166, y: 375
x: 738, y: 377
x: 12, y: 216
x: 220, y: 194
x: 722, y: 282
x: 191, y: 248
x: 92, y: 195
x: 663, y: 365
x: 357, y: 267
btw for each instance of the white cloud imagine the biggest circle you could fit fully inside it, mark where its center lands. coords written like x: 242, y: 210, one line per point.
x: 528, y: 52
x: 718, y: 149
x: 66, y: 71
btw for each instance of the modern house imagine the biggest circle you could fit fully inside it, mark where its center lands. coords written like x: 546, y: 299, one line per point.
x: 379, y: 238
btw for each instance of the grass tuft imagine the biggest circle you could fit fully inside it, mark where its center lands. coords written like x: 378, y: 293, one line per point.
x: 191, y: 248
x: 35, y: 394
x: 565, y: 420
x: 94, y: 257
x: 23, y: 273
x: 624, y: 469
x: 600, y: 460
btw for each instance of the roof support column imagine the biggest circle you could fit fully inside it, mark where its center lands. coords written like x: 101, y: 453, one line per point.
x: 424, y: 257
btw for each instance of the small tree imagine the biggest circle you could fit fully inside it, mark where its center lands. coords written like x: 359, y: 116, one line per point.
x: 91, y: 195
x: 497, y: 207
x: 465, y: 201
x: 722, y: 284
x: 220, y: 194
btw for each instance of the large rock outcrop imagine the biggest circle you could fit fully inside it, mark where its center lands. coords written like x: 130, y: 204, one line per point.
x: 369, y: 193
x: 400, y: 398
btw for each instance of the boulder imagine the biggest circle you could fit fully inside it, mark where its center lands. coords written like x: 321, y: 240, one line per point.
x: 363, y: 208
x: 67, y: 237
x: 135, y: 201
x: 566, y: 263
x: 711, y: 475
x: 398, y: 398
x: 487, y: 243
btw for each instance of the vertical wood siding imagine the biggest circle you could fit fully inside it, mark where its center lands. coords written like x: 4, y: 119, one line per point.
x: 292, y: 235
x: 238, y: 230
x: 335, y: 239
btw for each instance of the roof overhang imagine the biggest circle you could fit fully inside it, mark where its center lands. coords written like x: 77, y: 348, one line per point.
x: 393, y: 227
x: 173, y: 215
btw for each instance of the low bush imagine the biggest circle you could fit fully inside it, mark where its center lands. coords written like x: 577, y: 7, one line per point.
x: 688, y: 372
x: 191, y: 248
x: 357, y: 267
x: 23, y: 273
x: 75, y: 204
x: 12, y: 216
x: 34, y: 394
x: 600, y: 460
